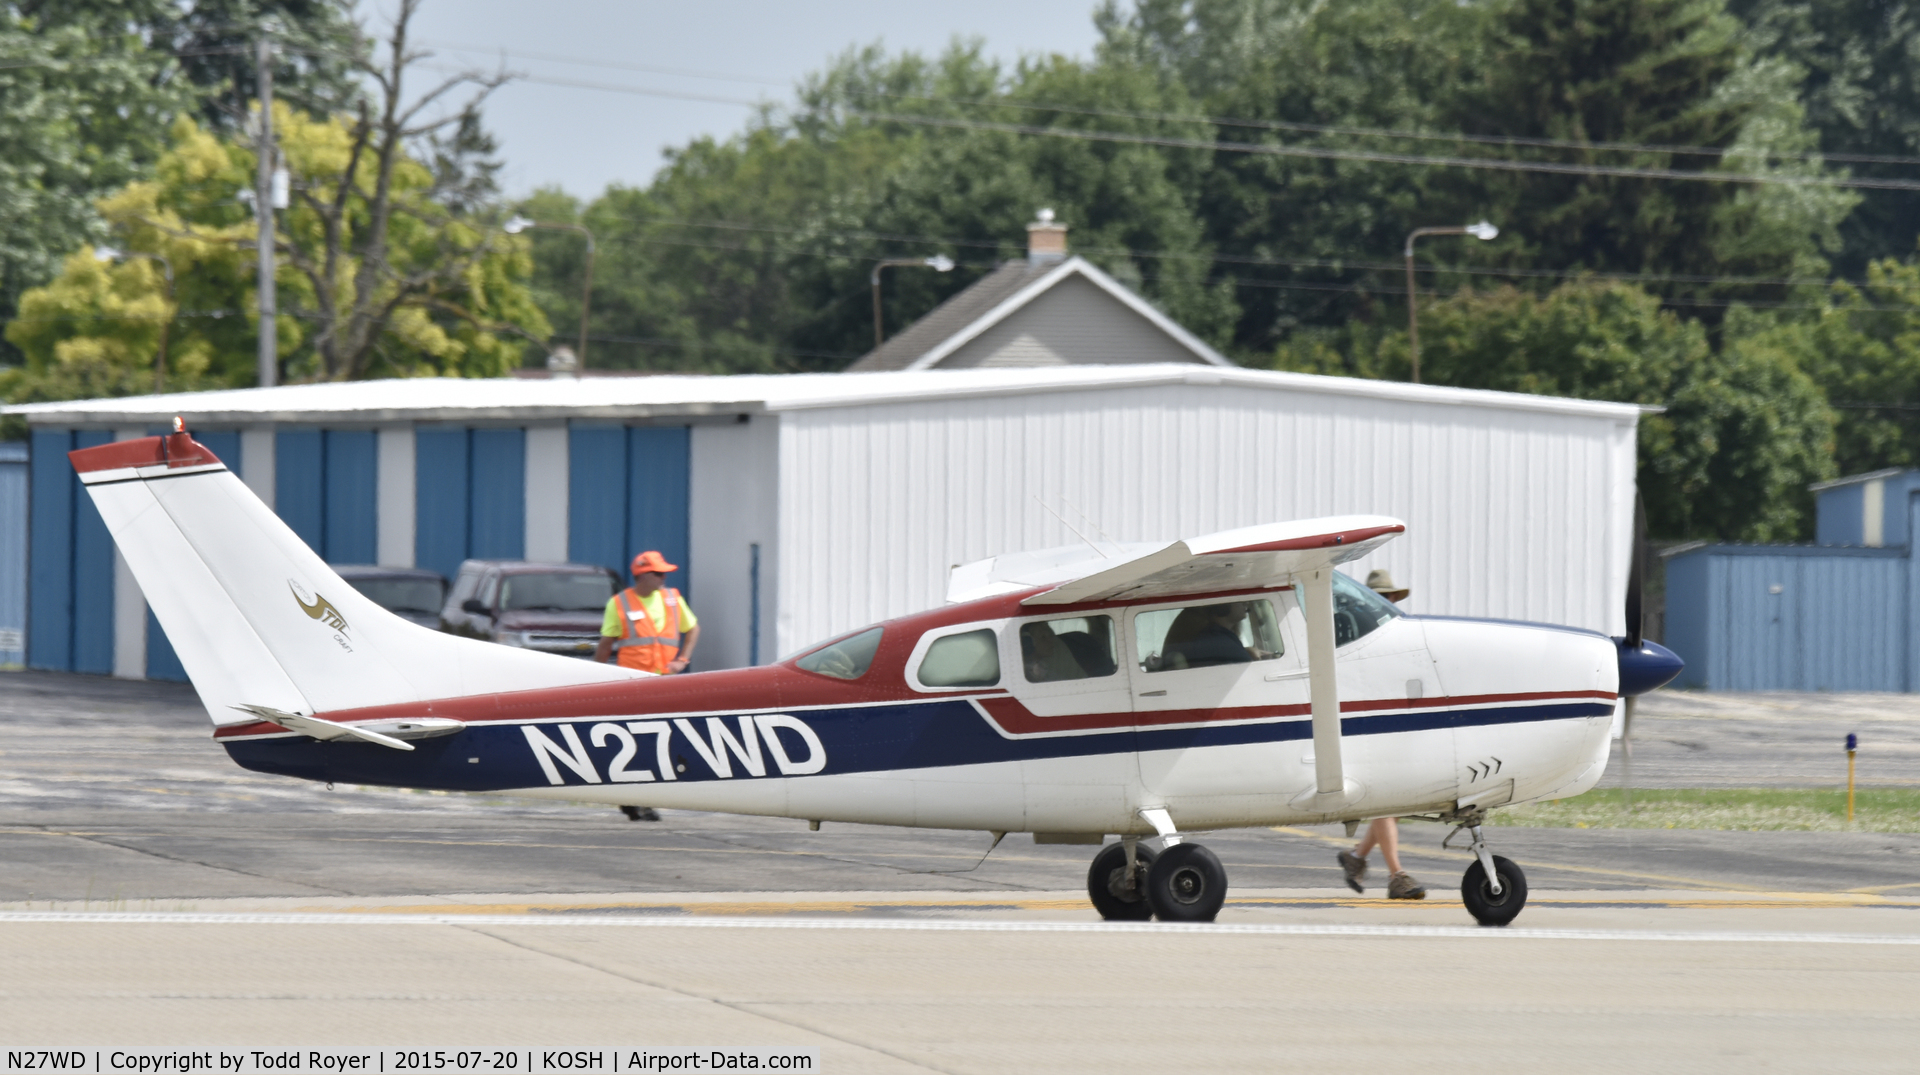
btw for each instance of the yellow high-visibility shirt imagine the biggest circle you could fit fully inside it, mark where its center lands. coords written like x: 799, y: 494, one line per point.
x: 655, y: 605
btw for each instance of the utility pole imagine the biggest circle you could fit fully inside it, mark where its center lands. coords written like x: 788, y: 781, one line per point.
x: 269, y: 357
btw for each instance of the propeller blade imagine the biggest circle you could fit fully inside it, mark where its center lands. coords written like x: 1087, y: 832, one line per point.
x: 1637, y: 574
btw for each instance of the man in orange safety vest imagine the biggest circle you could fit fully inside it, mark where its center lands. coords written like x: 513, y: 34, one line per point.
x: 649, y: 624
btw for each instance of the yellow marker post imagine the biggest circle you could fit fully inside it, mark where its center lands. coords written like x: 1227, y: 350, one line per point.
x: 1853, y: 743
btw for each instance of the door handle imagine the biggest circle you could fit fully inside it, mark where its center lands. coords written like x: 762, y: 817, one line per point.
x: 1153, y: 694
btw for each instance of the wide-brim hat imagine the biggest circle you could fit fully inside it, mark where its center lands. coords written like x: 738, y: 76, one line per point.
x: 652, y: 561
x: 1380, y: 582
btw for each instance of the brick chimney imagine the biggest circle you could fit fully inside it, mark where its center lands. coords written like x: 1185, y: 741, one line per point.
x: 1046, y: 241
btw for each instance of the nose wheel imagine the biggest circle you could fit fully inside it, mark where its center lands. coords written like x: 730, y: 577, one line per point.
x: 1493, y: 888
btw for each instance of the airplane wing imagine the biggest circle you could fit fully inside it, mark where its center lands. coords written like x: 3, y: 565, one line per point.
x: 1249, y: 558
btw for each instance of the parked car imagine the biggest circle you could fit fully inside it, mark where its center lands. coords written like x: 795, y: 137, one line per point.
x: 556, y: 608
x: 413, y: 593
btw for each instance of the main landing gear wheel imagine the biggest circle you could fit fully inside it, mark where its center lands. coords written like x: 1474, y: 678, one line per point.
x: 1117, y: 897
x: 1487, y: 908
x: 1186, y: 884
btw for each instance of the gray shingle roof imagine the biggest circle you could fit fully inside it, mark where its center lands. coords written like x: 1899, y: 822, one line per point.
x: 948, y: 318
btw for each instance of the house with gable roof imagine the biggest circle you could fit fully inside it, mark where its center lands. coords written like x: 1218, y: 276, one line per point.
x: 1047, y: 310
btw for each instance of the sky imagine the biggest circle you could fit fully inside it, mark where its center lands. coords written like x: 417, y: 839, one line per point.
x: 582, y: 139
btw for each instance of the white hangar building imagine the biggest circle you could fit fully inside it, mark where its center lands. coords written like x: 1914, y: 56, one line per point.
x: 801, y: 506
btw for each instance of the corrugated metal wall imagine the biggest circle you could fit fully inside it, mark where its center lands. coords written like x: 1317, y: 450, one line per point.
x: 1513, y: 514
x: 70, y: 562
x: 1791, y: 618
x: 325, y: 488
x: 629, y: 493
x: 13, y: 553
x: 470, y: 494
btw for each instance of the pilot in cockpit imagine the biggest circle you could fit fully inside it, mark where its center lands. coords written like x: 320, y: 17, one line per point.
x: 1208, y: 635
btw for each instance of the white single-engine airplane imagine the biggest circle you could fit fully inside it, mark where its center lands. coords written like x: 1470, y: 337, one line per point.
x: 1230, y: 680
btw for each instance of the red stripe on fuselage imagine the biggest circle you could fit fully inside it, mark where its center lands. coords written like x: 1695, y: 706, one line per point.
x: 1015, y: 718
x: 1007, y: 713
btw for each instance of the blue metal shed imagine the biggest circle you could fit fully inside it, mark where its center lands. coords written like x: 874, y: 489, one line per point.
x: 1864, y: 509
x: 1792, y: 618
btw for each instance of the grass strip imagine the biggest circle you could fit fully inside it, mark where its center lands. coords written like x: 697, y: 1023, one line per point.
x: 1725, y: 810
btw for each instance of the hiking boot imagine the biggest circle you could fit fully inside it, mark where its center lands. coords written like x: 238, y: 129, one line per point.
x: 1402, y: 886
x: 1356, y: 868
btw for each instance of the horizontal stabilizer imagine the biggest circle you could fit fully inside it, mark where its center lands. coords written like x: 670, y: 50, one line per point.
x: 323, y: 729
x: 1250, y: 558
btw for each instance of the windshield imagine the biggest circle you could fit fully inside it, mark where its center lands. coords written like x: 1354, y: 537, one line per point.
x: 403, y: 595
x: 848, y: 658
x: 560, y: 593
x: 1357, y: 611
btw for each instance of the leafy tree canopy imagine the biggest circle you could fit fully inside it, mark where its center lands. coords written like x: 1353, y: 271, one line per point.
x: 453, y: 293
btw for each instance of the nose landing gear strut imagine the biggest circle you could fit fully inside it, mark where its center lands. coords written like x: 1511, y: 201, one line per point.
x: 1493, y: 888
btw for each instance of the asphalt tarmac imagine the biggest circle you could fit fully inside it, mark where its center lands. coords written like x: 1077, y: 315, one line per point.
x: 152, y: 893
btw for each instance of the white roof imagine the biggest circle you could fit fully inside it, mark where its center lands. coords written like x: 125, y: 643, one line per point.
x: 1857, y: 479
x: 498, y: 399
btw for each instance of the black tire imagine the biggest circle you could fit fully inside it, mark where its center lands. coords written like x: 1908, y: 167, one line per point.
x: 1106, y: 886
x: 1186, y: 884
x: 1487, y: 908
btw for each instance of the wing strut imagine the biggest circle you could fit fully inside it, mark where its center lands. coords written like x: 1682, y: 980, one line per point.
x: 1329, y: 775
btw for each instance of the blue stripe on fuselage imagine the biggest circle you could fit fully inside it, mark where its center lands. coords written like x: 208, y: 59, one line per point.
x: 915, y: 735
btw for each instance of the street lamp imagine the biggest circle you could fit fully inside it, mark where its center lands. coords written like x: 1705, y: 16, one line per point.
x: 938, y: 263
x: 1482, y: 231
x: 107, y: 253
x: 516, y: 224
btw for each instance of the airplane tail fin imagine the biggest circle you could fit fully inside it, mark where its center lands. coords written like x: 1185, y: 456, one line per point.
x: 259, y: 620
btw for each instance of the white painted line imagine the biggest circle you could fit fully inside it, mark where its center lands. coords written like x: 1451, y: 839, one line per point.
x: 929, y: 925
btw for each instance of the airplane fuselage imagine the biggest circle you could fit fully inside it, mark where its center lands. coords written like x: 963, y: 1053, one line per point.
x: 1437, y: 713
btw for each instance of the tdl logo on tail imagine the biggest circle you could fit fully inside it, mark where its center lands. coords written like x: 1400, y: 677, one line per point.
x: 753, y: 742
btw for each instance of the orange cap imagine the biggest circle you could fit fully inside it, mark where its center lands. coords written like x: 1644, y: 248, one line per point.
x: 652, y: 561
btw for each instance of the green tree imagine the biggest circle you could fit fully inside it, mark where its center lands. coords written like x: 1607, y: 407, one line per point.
x: 1860, y: 67
x: 1306, y: 74
x: 1862, y: 346
x: 1643, y: 72
x: 89, y: 89
x: 450, y: 297
x: 754, y: 253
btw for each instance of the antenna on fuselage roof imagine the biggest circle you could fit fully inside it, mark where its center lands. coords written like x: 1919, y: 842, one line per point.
x: 1076, y: 532
x: 1097, y: 528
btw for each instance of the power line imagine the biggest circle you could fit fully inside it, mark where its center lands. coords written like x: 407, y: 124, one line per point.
x: 678, y: 72
x: 1290, y: 263
x: 1266, y: 149
x: 1229, y: 121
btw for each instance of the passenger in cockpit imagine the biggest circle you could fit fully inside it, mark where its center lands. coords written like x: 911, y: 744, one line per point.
x: 1047, y: 658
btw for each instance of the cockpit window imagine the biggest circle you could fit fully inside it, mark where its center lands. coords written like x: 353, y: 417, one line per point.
x: 1077, y: 647
x: 964, y: 660
x: 1357, y: 611
x: 1199, y: 636
x: 848, y: 658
